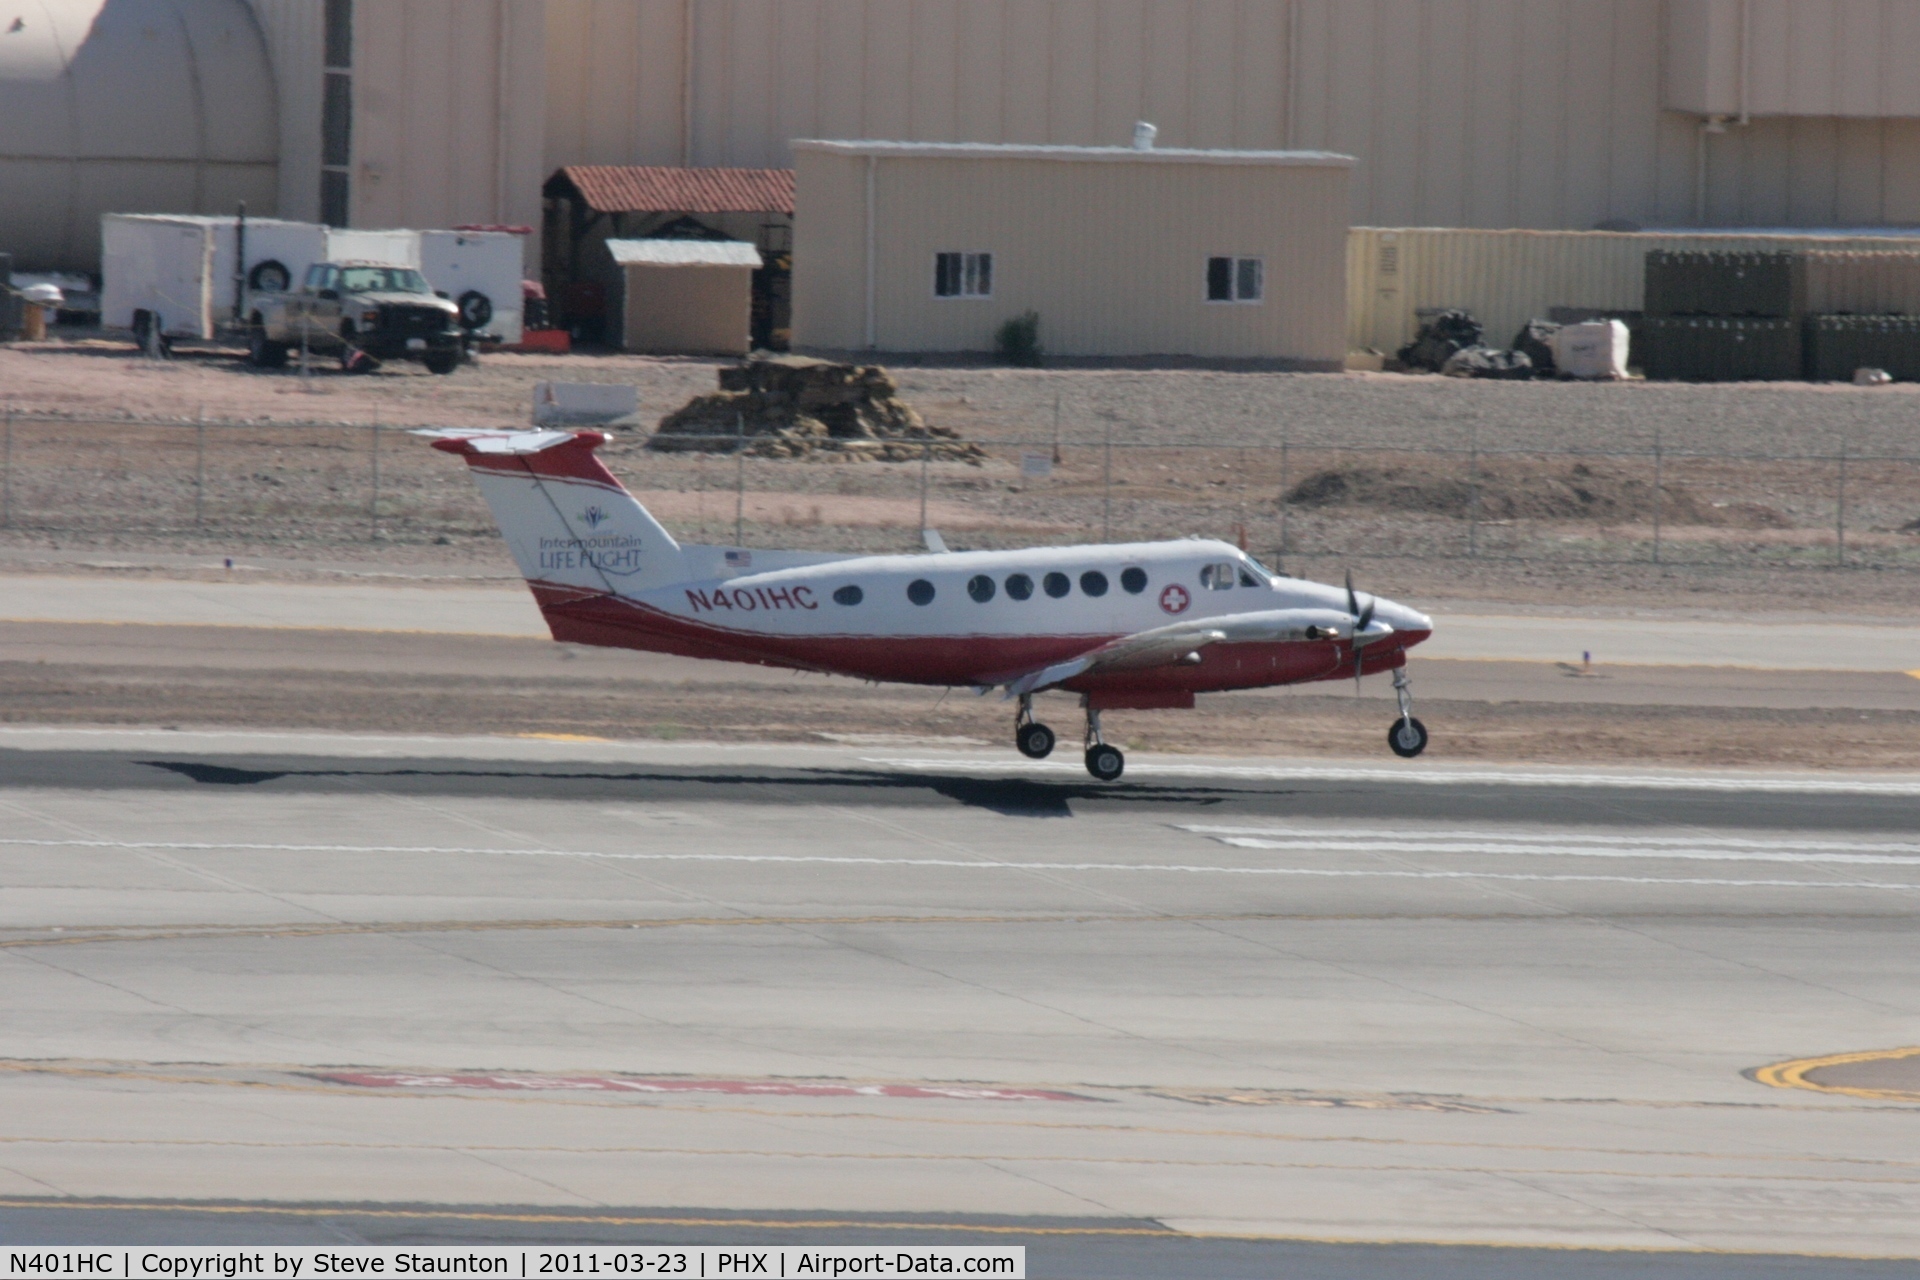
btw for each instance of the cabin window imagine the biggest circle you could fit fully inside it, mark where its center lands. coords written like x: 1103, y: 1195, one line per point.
x: 1133, y: 581
x: 1056, y: 585
x: 848, y: 595
x: 920, y: 591
x: 980, y: 587
x: 1217, y: 577
x: 1093, y: 582
x: 1019, y: 586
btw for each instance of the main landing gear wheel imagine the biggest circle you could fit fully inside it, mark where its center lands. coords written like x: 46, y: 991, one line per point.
x: 1105, y: 762
x: 1035, y: 740
x: 1407, y: 736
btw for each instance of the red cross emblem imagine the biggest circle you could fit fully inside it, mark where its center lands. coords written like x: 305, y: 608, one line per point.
x: 1175, y: 598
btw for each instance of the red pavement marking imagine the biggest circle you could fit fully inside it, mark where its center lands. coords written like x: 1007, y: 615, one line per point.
x: 624, y: 1084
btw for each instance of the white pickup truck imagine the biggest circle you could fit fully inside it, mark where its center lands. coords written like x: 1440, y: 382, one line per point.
x: 361, y: 312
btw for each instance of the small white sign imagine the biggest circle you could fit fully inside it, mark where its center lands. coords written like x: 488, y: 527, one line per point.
x: 576, y: 403
x: 1036, y: 466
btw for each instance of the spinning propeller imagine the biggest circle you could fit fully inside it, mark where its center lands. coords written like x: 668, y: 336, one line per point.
x: 1361, y: 618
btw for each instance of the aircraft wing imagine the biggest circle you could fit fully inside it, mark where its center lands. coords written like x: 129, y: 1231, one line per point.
x: 1179, y: 641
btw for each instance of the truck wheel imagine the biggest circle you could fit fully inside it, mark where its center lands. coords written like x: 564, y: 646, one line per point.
x: 476, y: 309
x: 270, y: 276
x: 441, y: 361
x: 261, y: 353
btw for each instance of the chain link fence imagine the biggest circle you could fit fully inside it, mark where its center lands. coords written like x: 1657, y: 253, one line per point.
x: 190, y: 485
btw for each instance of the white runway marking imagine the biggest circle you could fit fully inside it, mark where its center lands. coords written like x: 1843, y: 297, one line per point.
x: 1437, y: 777
x: 962, y: 864
x: 1572, y: 846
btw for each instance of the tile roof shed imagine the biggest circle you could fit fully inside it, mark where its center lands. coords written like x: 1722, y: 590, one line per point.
x: 620, y: 188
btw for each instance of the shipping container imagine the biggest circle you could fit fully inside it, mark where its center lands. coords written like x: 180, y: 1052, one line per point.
x: 1706, y: 283
x: 1506, y: 278
x: 1717, y: 348
x: 1838, y: 345
x: 1869, y: 284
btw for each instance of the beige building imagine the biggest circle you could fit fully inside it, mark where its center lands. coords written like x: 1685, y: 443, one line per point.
x: 1480, y: 113
x: 685, y: 297
x: 1120, y: 251
x: 1475, y: 113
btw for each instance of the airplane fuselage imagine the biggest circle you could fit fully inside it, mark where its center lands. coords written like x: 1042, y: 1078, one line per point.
x: 979, y: 617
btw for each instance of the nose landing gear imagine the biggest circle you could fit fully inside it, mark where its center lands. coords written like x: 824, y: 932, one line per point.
x: 1034, y: 739
x: 1103, y: 761
x: 1406, y: 736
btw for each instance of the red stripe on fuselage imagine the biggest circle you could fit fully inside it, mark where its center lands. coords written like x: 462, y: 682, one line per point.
x: 580, y: 617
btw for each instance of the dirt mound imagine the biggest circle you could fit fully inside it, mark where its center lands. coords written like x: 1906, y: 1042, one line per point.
x: 791, y: 406
x: 1521, y: 490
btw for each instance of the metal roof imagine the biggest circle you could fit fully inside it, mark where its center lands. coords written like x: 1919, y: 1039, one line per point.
x: 624, y: 188
x: 683, y: 253
x: 1022, y: 151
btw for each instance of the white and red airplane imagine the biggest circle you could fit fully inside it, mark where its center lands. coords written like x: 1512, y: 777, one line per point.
x: 1130, y: 625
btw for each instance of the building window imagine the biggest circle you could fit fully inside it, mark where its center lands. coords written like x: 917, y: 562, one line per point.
x: 336, y: 114
x: 1236, y: 279
x: 339, y: 20
x: 963, y: 275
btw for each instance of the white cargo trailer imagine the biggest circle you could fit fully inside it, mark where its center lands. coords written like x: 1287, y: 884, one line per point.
x: 481, y: 271
x: 178, y: 274
x: 387, y: 248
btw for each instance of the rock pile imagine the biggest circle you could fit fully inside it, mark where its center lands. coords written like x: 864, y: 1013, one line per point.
x: 792, y: 407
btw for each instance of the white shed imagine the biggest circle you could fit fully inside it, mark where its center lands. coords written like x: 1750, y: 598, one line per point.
x: 686, y: 297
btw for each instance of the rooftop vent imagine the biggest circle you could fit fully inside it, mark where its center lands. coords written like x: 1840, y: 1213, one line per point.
x: 1143, y: 134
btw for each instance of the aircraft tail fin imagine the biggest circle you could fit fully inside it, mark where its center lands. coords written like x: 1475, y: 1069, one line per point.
x: 568, y: 521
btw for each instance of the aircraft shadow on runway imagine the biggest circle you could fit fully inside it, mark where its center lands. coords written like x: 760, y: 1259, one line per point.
x: 1011, y: 797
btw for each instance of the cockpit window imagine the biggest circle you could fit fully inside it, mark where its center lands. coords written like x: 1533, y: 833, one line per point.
x: 1260, y: 570
x: 1217, y: 577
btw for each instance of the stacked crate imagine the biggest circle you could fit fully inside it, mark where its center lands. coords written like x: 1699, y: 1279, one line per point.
x: 1722, y: 317
x: 1822, y: 314
x: 1863, y: 313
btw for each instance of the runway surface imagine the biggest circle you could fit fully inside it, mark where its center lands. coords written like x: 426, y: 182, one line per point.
x: 509, y: 611
x: 1204, y: 1021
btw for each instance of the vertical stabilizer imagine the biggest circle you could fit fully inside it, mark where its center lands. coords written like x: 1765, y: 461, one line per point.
x: 568, y: 521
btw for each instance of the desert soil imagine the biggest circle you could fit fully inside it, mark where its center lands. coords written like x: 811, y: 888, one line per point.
x: 1193, y: 452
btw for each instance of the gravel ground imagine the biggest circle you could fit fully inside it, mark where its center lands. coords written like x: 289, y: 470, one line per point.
x: 284, y: 494
x: 81, y: 376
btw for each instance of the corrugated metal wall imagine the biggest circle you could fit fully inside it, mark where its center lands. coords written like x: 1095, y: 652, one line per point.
x: 1506, y: 278
x: 463, y: 141
x: 1488, y: 113
x: 296, y: 43
x: 1122, y: 274
x: 1793, y: 57
x: 1478, y: 113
